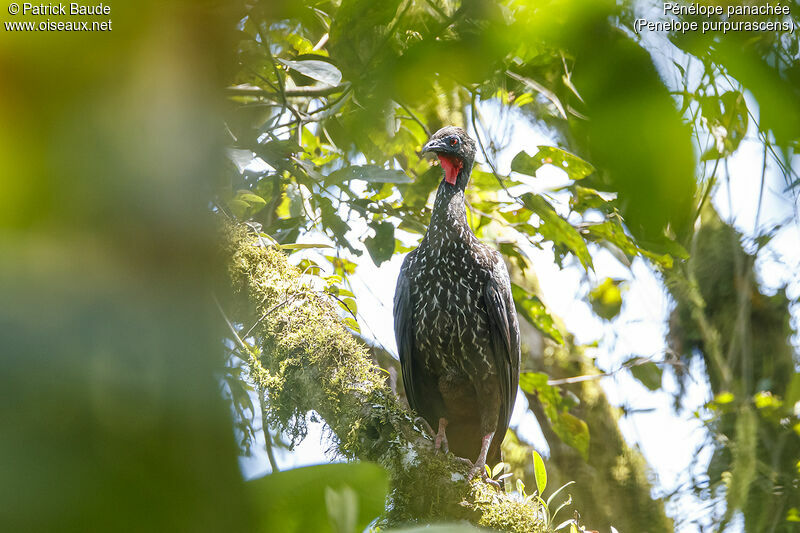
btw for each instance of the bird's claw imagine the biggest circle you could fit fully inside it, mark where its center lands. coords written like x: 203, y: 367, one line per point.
x: 474, y: 468
x: 440, y: 441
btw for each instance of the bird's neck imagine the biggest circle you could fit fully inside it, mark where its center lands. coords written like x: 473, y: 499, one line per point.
x: 449, y: 209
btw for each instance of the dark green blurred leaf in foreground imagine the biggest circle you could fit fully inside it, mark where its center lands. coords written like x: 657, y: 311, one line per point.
x: 111, y: 413
x: 441, y: 528
x: 336, y: 498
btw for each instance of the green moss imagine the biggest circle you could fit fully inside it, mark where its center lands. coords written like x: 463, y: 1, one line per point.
x: 503, y: 512
x: 306, y: 360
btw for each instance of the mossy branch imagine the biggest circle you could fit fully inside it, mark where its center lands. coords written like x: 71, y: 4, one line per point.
x: 304, y: 359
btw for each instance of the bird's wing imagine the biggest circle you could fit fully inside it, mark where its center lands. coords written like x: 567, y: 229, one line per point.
x: 504, y: 331
x: 404, y: 332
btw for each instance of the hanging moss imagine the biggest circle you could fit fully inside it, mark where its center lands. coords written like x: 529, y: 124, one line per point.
x: 304, y: 359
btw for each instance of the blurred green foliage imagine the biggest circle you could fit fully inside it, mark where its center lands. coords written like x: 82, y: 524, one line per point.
x: 335, y: 498
x: 115, y: 147
x: 109, y: 402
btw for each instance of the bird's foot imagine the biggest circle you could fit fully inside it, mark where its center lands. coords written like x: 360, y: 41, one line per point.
x: 440, y: 441
x: 479, y: 466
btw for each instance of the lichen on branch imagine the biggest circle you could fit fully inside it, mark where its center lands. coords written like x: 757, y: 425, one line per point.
x: 304, y: 359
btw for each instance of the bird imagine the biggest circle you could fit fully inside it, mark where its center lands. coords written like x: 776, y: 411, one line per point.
x: 455, y: 322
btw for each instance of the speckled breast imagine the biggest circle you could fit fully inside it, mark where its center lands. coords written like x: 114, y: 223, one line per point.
x: 452, y: 331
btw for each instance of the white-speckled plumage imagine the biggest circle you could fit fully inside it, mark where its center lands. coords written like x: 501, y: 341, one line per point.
x: 455, y: 323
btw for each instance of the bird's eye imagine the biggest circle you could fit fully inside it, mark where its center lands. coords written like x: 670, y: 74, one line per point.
x: 453, y: 141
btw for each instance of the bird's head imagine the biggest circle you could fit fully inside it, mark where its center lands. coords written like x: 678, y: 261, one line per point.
x: 455, y: 150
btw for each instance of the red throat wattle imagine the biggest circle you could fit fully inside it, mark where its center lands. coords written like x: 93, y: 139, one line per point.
x: 452, y: 166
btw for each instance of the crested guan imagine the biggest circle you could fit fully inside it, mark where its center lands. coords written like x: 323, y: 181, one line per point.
x: 455, y: 322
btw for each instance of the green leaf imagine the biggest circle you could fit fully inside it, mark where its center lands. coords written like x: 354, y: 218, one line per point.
x: 239, y: 208
x: 540, y: 472
x: 726, y: 118
x: 613, y: 232
x: 558, y: 491
x: 606, y: 299
x: 569, y: 428
x: 439, y: 528
x: 584, y: 198
x: 535, y: 312
x: 332, y: 221
x: 574, y: 432
x: 349, y: 306
x: 304, y: 245
x: 575, y: 167
x: 381, y: 246
x: 565, y: 523
x: 497, y: 469
x: 648, y: 373
x: 556, y: 229
x: 351, y: 323
x: 319, y: 70
x: 245, y: 204
x: 342, y: 506
x: 298, y: 500
x: 277, y: 152
x: 416, y: 193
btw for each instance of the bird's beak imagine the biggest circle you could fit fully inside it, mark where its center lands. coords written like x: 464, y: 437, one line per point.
x: 434, y: 146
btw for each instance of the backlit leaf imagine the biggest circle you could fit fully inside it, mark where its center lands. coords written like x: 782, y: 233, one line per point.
x: 381, y: 246
x: 646, y: 372
x: 316, y: 69
x: 535, y: 312
x: 556, y: 229
x: 575, y: 167
x: 606, y: 298
x: 540, y: 472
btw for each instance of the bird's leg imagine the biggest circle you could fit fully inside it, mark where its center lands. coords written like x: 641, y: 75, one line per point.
x: 441, y: 437
x: 480, y: 464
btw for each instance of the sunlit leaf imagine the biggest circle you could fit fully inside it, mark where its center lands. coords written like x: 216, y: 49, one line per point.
x: 726, y: 118
x: 613, y: 232
x: 535, y: 312
x: 497, y: 469
x: 556, y: 229
x: 558, y: 491
x: 304, y: 245
x: 540, y: 472
x: 575, y: 167
x: 606, y: 298
x: 570, y: 429
x: 319, y: 70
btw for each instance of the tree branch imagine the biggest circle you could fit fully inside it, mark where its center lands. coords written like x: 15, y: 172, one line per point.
x: 310, y: 91
x: 306, y: 360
